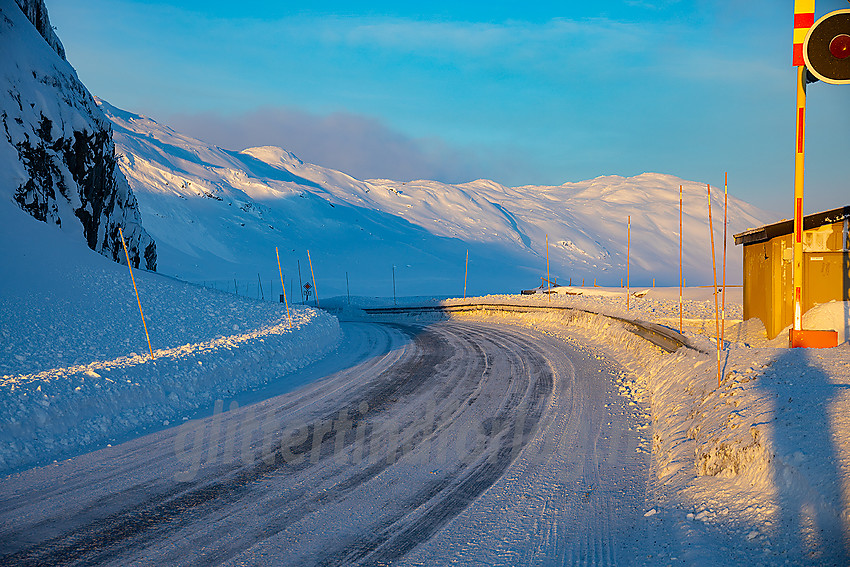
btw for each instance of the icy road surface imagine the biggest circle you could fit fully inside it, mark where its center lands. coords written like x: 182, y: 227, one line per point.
x: 454, y: 442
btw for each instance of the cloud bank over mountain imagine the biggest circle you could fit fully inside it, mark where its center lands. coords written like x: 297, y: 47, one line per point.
x: 362, y: 146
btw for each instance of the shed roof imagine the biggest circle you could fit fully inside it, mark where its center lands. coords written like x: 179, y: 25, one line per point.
x: 783, y: 227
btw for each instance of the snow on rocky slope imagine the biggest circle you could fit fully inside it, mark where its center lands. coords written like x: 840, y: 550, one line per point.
x: 217, y: 212
x: 57, y: 157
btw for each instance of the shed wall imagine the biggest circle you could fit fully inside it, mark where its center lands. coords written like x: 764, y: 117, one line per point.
x: 768, y: 275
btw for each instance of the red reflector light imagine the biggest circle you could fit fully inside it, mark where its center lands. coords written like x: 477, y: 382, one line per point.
x: 839, y: 47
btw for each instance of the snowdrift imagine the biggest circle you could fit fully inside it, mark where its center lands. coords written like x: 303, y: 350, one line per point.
x: 76, y: 373
x: 753, y: 468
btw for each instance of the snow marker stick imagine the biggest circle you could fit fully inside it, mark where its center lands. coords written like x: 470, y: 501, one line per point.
x: 628, y: 250
x: 313, y: 275
x: 716, y: 306
x: 723, y: 304
x: 681, y: 279
x: 548, y: 279
x: 283, y: 287
x: 139, y: 301
x: 465, y: 274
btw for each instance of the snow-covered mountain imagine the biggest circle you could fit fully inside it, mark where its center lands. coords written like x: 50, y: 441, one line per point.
x: 57, y: 157
x: 218, y: 214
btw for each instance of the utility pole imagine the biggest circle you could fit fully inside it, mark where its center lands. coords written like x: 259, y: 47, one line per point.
x: 300, y: 282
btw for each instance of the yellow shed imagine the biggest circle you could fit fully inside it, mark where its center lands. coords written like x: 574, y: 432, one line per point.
x: 768, y: 271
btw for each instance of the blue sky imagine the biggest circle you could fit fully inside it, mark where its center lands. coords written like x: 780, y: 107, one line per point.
x: 533, y: 93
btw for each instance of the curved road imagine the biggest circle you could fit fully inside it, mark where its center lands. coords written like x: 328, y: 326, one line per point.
x: 465, y: 441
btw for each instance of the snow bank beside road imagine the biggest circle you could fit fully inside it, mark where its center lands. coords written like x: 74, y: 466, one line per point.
x: 755, y: 471
x: 75, y: 369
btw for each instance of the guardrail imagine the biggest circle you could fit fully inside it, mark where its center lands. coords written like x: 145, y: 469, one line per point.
x: 663, y: 337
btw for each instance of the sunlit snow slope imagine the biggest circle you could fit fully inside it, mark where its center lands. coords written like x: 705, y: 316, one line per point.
x: 217, y: 214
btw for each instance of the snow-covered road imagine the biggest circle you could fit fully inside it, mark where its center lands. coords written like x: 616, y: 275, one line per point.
x: 458, y: 441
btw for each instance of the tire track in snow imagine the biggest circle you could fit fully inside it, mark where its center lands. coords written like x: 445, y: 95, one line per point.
x: 455, y: 495
x: 582, y: 504
x: 169, y: 512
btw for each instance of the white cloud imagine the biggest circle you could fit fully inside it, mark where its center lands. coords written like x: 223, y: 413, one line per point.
x: 358, y: 145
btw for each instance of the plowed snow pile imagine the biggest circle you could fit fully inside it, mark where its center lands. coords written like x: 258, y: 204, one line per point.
x: 76, y: 372
x: 754, y: 471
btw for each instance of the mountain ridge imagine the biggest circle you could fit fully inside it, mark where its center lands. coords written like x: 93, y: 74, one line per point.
x: 221, y: 212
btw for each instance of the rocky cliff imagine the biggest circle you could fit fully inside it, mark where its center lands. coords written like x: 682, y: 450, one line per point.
x: 57, y: 158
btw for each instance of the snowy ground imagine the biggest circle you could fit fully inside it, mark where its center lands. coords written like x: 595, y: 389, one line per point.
x: 490, y: 442
x: 647, y: 463
x: 755, y: 471
x: 76, y: 371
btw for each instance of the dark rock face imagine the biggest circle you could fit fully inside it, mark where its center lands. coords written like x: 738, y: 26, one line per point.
x: 66, y: 171
x: 36, y: 12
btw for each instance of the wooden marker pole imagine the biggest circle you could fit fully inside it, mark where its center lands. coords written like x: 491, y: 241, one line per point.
x: 725, y: 217
x: 628, y: 253
x: 139, y: 301
x: 681, y: 278
x: 313, y: 275
x: 283, y: 287
x: 465, y: 274
x: 548, y: 279
x: 716, y: 306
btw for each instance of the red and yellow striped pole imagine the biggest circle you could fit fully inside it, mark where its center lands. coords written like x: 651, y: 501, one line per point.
x: 804, y: 18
